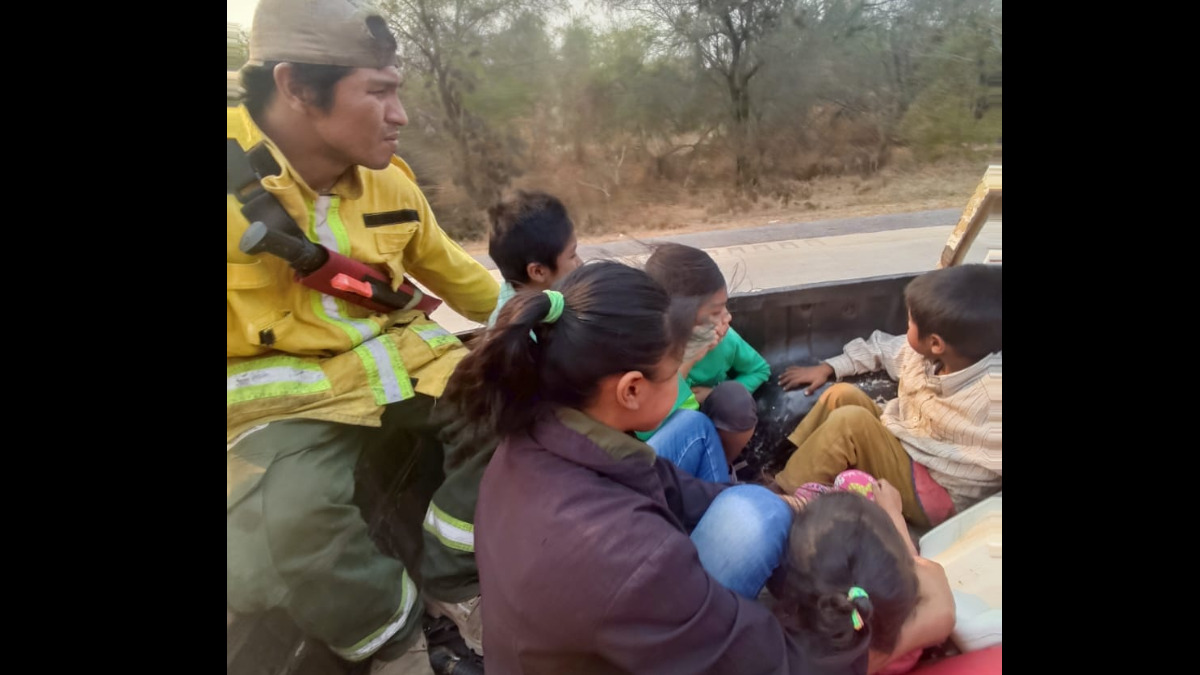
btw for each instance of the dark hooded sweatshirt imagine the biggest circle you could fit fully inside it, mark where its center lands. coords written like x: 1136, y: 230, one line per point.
x: 586, y: 565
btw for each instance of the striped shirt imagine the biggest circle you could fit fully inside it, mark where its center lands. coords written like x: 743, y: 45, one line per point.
x: 950, y: 424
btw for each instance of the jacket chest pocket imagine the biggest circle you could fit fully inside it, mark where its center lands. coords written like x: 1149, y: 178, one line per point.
x: 256, y: 311
x: 395, y: 238
x: 390, y: 245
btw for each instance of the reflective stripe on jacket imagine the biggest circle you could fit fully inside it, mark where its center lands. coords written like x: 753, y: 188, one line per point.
x: 295, y: 352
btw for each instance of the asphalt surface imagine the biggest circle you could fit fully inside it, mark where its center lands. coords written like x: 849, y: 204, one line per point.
x: 782, y: 255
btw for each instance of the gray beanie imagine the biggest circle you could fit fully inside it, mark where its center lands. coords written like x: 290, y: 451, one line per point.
x: 325, y: 32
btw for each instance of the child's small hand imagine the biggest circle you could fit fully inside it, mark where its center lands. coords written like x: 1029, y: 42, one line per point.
x: 722, y: 326
x: 701, y: 393
x: 703, y: 340
x: 814, y: 376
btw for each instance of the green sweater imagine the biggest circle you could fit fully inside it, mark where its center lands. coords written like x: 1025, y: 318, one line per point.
x: 732, y: 356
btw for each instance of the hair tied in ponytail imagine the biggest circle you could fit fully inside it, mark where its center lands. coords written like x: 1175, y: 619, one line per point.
x: 556, y: 306
x: 855, y: 617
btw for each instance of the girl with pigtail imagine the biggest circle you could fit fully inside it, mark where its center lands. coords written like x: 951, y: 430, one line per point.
x: 596, y: 555
x: 853, y: 585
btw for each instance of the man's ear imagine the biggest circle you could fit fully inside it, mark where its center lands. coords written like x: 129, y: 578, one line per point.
x: 631, y: 389
x: 287, y: 88
x: 537, y: 272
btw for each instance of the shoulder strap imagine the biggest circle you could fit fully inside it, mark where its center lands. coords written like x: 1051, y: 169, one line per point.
x: 243, y: 176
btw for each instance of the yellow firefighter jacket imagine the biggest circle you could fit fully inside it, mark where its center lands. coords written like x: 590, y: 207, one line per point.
x: 293, y: 352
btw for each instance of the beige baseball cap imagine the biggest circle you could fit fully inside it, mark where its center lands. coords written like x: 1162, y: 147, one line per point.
x: 324, y: 32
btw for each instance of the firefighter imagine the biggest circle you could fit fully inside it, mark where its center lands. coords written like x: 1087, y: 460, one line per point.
x: 315, y: 381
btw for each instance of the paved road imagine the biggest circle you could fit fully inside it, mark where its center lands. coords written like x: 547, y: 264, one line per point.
x: 775, y: 256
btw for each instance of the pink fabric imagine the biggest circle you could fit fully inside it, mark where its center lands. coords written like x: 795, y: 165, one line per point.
x: 903, y: 664
x: 933, y: 497
x: 979, y: 662
x: 850, y: 480
x: 853, y: 480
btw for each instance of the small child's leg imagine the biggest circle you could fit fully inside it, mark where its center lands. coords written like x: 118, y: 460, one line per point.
x: 734, y: 414
x: 734, y: 442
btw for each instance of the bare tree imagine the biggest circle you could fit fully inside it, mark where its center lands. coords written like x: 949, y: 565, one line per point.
x: 729, y: 37
x: 725, y: 35
x: 441, y: 38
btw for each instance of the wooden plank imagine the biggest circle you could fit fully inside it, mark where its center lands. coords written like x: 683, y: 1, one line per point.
x: 987, y: 196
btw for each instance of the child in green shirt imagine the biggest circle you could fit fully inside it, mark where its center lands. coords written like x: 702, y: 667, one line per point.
x: 723, y: 380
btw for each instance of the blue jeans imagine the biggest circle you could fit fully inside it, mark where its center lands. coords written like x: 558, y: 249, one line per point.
x: 689, y: 439
x: 742, y: 537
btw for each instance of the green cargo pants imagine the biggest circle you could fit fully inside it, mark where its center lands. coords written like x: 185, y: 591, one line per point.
x: 298, y: 539
x: 448, y: 563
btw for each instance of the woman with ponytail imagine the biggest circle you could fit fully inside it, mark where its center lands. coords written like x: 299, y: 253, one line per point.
x: 853, y: 586
x: 596, y: 555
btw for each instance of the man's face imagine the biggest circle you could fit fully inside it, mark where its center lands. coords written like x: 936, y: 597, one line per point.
x: 363, y: 123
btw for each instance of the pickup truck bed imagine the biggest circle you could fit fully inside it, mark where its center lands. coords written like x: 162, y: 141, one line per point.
x: 800, y: 325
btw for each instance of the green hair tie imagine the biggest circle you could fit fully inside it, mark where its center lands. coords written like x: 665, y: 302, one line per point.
x: 855, y: 617
x: 556, y: 306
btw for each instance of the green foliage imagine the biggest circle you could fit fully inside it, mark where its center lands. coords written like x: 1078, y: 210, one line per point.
x: 955, y: 102
x: 237, y: 46
x: 513, y: 75
x: 498, y: 87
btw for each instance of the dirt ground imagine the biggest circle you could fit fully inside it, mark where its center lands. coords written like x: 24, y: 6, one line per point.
x: 944, y: 185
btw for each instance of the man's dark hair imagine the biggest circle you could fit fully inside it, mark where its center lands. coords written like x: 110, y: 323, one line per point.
x: 315, y: 82
x: 962, y: 304
x: 529, y: 227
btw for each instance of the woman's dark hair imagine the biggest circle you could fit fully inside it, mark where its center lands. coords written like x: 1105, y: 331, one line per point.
x: 962, y: 304
x: 316, y: 81
x: 530, y: 227
x: 840, y: 540
x: 614, y: 320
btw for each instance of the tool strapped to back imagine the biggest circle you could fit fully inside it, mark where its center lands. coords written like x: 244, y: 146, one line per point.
x: 273, y: 231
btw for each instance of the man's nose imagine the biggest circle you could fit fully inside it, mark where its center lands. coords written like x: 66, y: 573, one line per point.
x: 396, y: 114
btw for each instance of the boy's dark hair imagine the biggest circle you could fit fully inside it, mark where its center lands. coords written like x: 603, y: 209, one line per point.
x: 317, y: 81
x: 840, y: 540
x: 614, y: 320
x: 529, y: 227
x: 962, y: 304
x: 684, y: 271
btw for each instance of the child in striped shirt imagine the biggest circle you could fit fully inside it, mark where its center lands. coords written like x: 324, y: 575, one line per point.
x: 939, y: 440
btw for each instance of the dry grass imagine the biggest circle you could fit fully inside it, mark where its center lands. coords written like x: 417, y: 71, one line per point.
x: 647, y: 209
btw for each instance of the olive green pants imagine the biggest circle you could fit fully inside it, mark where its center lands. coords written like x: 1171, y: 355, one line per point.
x: 448, y: 563
x: 297, y: 538
x: 843, y: 431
